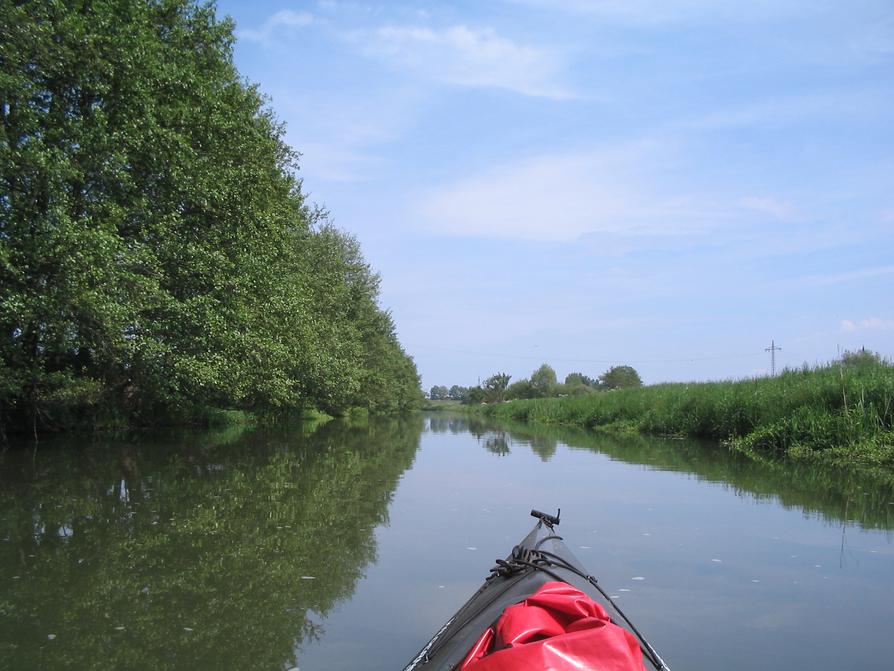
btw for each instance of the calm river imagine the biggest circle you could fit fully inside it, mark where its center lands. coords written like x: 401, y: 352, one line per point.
x: 346, y: 547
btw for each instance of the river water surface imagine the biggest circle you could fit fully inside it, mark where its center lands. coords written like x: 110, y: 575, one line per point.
x: 346, y: 546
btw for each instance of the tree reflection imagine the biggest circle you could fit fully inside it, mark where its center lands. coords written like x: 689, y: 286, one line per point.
x: 858, y: 498
x: 190, y: 554
x: 496, y: 442
x: 454, y: 424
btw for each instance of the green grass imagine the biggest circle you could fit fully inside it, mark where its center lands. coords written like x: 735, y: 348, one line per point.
x: 838, y: 413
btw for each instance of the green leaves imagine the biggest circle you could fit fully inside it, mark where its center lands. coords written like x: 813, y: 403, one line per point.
x: 620, y: 377
x: 153, y: 238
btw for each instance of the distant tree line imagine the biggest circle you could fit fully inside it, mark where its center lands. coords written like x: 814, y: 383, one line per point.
x: 454, y: 393
x: 543, y: 383
x: 157, y: 254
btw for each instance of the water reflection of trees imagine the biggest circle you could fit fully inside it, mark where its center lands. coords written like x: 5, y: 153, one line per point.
x: 496, y: 442
x: 209, y: 553
x: 858, y: 498
x: 454, y: 424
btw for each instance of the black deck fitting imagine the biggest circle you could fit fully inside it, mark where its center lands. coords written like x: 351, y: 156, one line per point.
x: 552, y: 520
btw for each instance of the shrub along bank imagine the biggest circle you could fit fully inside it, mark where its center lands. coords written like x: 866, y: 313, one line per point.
x: 840, y: 413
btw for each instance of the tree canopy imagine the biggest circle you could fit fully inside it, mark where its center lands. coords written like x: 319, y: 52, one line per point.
x: 157, y: 254
x: 543, y: 383
x: 543, y: 380
x: 495, y: 387
x: 575, y: 379
x: 439, y: 393
x: 619, y: 377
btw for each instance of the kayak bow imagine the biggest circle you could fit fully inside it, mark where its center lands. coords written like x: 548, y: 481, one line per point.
x: 538, y: 605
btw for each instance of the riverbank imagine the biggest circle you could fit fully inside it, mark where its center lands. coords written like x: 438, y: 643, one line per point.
x: 840, y: 414
x: 442, y: 405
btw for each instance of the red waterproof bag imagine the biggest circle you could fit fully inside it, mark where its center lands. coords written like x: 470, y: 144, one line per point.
x: 556, y: 628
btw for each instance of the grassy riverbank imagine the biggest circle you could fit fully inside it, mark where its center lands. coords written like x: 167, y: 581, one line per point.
x: 442, y: 405
x: 842, y: 413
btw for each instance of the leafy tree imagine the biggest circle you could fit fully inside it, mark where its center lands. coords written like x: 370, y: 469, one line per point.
x: 573, y: 379
x: 438, y: 393
x: 495, y: 387
x: 862, y: 357
x: 157, y: 256
x: 574, y: 390
x: 618, y: 377
x: 458, y: 393
x: 520, y: 389
x: 543, y: 381
x: 475, y: 396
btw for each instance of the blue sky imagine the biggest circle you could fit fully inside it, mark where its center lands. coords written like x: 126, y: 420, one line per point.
x: 666, y: 184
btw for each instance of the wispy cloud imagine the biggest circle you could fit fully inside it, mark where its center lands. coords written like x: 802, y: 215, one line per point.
x: 470, y: 57
x: 280, y: 21
x: 868, y: 324
x: 630, y: 192
x: 335, y: 162
x: 341, y: 141
x: 555, y: 197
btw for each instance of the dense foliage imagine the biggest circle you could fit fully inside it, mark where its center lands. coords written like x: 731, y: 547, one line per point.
x: 840, y: 413
x: 157, y: 256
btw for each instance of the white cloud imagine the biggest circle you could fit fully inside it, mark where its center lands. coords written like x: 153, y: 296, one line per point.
x: 343, y: 141
x: 628, y: 192
x: 334, y: 162
x: 283, y: 19
x: 557, y: 197
x: 868, y: 324
x: 478, y: 58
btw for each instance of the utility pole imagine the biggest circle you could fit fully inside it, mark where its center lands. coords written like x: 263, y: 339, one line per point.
x: 772, y: 349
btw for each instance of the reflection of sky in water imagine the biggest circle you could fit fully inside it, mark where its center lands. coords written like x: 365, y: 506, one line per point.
x: 349, y: 546
x: 718, y: 575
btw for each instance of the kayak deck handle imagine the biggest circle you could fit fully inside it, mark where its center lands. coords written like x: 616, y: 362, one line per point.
x: 552, y: 520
